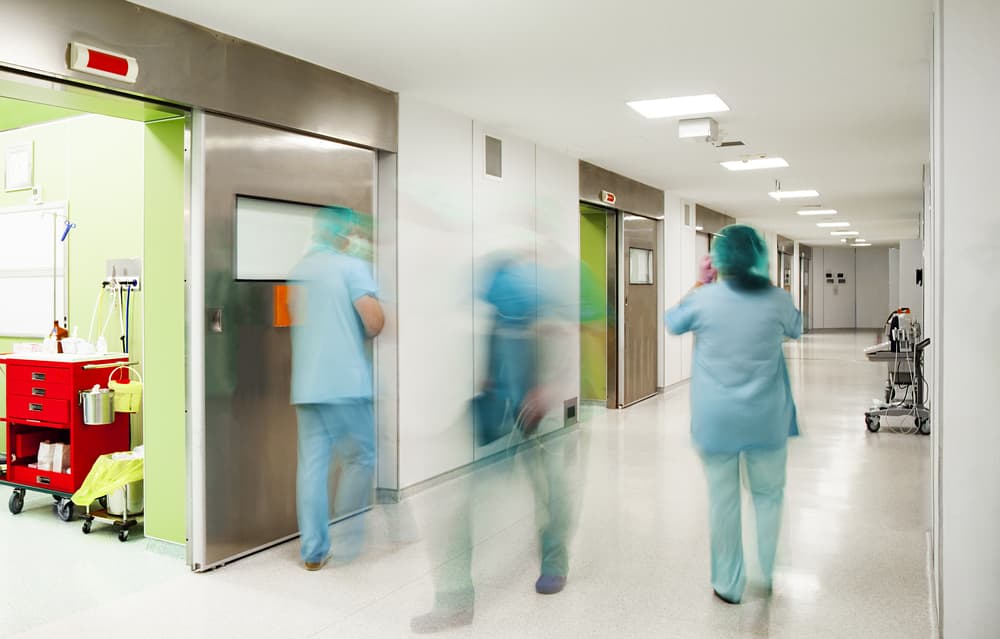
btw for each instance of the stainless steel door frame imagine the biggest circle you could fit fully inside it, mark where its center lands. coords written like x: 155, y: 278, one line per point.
x: 243, y: 445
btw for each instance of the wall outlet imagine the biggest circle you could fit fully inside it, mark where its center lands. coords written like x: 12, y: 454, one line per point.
x: 571, y: 409
x: 124, y: 271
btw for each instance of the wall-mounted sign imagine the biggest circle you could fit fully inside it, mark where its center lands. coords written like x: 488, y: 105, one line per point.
x: 608, y: 197
x: 19, y: 160
x: 107, y: 64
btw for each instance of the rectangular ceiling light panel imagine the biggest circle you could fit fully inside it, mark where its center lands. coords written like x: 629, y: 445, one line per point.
x: 755, y: 163
x: 861, y: 244
x: 788, y: 195
x: 817, y: 211
x: 833, y: 225
x: 844, y: 233
x: 677, y: 107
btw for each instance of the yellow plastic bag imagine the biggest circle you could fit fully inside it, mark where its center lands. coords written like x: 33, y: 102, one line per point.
x: 107, y: 476
x: 128, y: 395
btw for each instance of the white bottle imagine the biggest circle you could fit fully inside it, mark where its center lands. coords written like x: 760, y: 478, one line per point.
x: 102, y: 345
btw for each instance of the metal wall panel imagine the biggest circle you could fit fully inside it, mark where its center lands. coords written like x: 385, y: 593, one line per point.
x: 710, y: 220
x: 786, y: 245
x: 632, y: 196
x: 185, y: 64
x: 249, y: 434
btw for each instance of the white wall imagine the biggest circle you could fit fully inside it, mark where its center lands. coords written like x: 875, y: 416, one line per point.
x: 796, y: 275
x: 893, y: 280
x: 872, y: 272
x: 673, y: 241
x: 451, y: 219
x: 689, y: 274
x: 966, y: 242
x: 557, y: 223
x: 911, y: 258
x: 435, y: 261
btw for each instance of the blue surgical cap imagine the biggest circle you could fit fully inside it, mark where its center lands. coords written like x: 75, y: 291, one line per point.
x: 334, y: 221
x: 740, y: 253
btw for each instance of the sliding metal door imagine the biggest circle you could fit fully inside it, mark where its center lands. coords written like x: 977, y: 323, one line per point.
x: 244, y: 480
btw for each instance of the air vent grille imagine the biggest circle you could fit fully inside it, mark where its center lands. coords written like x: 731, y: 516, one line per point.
x: 494, y: 157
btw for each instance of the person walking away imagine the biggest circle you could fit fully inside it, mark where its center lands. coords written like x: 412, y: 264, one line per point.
x: 741, y: 400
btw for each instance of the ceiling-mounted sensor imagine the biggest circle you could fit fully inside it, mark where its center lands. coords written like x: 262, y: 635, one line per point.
x: 706, y: 129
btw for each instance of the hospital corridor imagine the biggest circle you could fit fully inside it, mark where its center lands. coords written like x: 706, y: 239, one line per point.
x: 852, y: 560
x: 653, y: 318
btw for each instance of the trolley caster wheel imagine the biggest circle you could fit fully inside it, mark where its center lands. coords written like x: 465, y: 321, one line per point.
x: 56, y: 498
x: 87, y: 527
x: 924, y: 425
x: 16, y: 503
x: 65, y: 510
x: 873, y: 424
x: 103, y: 501
x: 123, y: 535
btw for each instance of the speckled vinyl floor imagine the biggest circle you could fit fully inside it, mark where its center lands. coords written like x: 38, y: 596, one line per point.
x: 852, y: 560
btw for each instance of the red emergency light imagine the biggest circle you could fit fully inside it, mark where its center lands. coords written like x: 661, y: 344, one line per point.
x: 107, y: 64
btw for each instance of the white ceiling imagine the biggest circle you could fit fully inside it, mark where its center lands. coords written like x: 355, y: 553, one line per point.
x: 839, y: 89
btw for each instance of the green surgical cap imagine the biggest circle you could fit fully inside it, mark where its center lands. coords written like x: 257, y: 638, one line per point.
x: 739, y: 252
x: 334, y: 221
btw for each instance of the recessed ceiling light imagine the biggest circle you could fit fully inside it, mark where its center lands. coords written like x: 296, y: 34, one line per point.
x: 844, y: 240
x: 699, y: 228
x: 861, y: 244
x: 817, y: 211
x: 787, y: 195
x: 751, y: 164
x: 844, y: 233
x: 676, y: 107
x: 859, y: 240
x: 833, y: 225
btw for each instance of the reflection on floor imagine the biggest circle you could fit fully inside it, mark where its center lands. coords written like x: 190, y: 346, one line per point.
x: 852, y: 561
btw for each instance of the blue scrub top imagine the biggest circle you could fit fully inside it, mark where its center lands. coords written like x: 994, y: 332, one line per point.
x: 330, y: 362
x: 741, y: 398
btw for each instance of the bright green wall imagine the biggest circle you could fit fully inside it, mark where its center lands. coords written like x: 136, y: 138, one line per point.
x: 165, y: 393
x: 593, y: 275
x: 15, y: 114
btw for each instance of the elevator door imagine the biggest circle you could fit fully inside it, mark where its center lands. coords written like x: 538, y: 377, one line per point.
x: 250, y: 427
x: 640, y: 314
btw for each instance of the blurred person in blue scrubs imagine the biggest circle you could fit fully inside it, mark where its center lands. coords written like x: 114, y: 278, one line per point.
x: 741, y: 399
x: 525, y: 359
x: 335, y: 311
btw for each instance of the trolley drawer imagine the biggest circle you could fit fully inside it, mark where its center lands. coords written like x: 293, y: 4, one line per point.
x: 55, y: 411
x: 39, y: 381
x: 59, y: 482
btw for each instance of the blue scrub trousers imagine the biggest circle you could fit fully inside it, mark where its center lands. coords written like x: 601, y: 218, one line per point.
x: 345, y: 430
x: 766, y: 475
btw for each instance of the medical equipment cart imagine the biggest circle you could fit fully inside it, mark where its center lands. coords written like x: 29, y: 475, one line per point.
x: 906, y: 369
x: 43, y: 404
